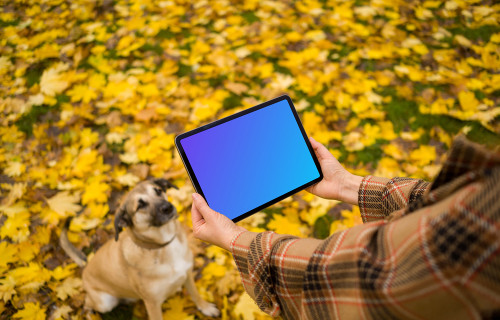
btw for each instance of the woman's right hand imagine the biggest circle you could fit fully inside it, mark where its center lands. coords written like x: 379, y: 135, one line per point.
x: 338, y: 183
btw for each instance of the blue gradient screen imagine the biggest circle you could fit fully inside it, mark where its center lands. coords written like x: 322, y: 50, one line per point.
x: 250, y: 160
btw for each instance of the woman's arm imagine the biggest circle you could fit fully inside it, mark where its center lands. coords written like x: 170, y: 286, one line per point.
x: 338, y: 183
x: 377, y: 197
x: 426, y: 265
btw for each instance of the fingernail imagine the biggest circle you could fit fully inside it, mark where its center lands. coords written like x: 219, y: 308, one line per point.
x: 312, y: 139
x: 195, y: 196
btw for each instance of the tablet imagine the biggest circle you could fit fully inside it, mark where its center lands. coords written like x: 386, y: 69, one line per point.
x: 250, y: 160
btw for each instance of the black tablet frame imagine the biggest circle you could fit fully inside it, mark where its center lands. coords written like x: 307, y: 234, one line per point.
x: 194, y: 180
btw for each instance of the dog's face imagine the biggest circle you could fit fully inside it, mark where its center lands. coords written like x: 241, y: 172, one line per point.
x: 145, y: 207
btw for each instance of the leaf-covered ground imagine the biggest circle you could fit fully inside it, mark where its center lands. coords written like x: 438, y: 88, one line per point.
x: 93, y: 93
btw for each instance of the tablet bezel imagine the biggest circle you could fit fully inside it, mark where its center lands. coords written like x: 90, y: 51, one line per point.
x: 194, y: 180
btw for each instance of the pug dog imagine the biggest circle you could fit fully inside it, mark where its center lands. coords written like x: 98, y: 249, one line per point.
x: 150, y: 260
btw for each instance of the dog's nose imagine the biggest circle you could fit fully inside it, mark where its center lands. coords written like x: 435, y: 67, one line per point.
x: 166, y: 207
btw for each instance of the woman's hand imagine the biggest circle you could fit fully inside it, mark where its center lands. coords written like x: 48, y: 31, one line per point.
x: 211, y: 226
x: 337, y: 183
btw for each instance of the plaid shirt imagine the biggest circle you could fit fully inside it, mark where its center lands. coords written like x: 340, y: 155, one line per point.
x: 425, y: 251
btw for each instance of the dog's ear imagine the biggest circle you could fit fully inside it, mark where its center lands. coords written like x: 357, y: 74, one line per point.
x: 122, y: 219
x: 164, y: 184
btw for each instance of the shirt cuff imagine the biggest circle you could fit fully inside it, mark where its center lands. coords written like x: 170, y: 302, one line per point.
x: 252, y: 254
x: 370, y: 196
x: 240, y: 247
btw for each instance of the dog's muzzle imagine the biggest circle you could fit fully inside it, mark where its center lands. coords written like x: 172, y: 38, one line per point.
x: 164, y: 213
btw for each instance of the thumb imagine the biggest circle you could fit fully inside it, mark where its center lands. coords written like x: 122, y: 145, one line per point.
x: 320, y: 150
x: 202, y: 206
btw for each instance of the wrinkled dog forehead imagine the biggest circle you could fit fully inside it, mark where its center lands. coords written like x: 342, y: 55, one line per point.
x: 151, y: 185
x: 148, y: 190
x: 145, y: 188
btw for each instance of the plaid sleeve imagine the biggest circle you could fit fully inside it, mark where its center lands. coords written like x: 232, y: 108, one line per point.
x: 439, y: 262
x: 272, y: 266
x: 379, y: 197
x: 442, y: 261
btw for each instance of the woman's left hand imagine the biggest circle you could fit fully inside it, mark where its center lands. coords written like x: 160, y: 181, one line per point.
x: 211, y: 226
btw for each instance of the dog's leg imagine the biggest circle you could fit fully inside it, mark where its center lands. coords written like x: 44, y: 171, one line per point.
x: 153, y: 309
x: 100, y: 301
x: 207, y: 308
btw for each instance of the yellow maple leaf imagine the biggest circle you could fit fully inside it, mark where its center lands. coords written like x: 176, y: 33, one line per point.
x: 16, y: 227
x: 286, y: 225
x: 98, y: 210
x: 31, y: 311
x: 82, y: 93
x: 69, y: 287
x: 129, y: 157
x: 371, y: 134
x: 85, y: 162
x: 236, y: 88
x: 423, y: 155
x: 214, y: 270
x: 463, y: 41
x: 7, y: 253
x: 217, y: 253
x: 95, y: 191
x: 14, y: 169
x: 84, y: 223
x: 393, y: 151
x: 319, y: 207
x: 127, y: 179
x: 5, y: 65
x: 27, y: 250
x: 7, y: 288
x: 246, y: 308
x: 468, y: 101
x: 32, y: 273
x: 432, y: 170
x: 388, y: 167
x: 16, y: 192
x: 350, y: 219
x: 61, y: 272
x: 352, y: 141
x: 62, y: 312
x: 65, y: 204
x: 97, y: 81
x: 53, y: 81
x: 175, y: 309
x: 387, y: 130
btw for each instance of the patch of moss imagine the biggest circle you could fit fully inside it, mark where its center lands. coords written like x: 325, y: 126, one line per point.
x: 250, y: 16
x: 483, y: 33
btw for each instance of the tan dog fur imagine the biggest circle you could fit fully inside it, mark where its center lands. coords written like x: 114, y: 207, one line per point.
x: 150, y: 260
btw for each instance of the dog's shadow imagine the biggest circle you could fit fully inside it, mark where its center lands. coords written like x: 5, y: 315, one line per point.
x: 120, y: 312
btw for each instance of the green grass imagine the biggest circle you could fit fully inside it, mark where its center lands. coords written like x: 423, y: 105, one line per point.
x: 232, y: 101
x: 321, y: 228
x: 34, y: 73
x: 404, y: 114
x: 483, y: 33
x: 26, y: 121
x: 250, y: 16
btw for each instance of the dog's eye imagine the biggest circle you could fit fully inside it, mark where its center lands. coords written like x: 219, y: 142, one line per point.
x: 158, y: 192
x: 141, y: 204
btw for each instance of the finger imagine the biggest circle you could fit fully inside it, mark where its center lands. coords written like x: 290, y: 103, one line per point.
x: 196, y: 216
x: 202, y: 205
x: 320, y: 150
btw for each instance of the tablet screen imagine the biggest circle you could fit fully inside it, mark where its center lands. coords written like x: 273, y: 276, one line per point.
x: 245, y: 163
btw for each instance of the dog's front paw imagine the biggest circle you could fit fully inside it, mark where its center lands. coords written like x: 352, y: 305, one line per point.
x: 210, y: 310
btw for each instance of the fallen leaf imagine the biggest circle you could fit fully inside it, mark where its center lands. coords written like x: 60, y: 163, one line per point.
x: 65, y: 204
x: 69, y: 287
x: 31, y: 311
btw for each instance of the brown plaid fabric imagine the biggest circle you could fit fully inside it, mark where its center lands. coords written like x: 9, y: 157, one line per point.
x: 425, y: 252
